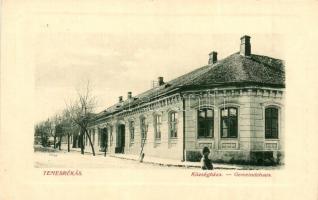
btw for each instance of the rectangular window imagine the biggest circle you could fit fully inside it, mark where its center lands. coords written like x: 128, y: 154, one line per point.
x: 173, y: 124
x: 143, y: 128
x: 132, y: 130
x: 205, y: 123
x: 103, y: 137
x: 229, y: 122
x: 98, y: 138
x: 157, y: 126
x: 271, y: 123
x: 111, y: 135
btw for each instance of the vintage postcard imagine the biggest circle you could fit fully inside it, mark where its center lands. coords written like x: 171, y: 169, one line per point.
x: 149, y: 99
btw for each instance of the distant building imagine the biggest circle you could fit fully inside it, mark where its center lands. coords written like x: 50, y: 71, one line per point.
x: 235, y: 106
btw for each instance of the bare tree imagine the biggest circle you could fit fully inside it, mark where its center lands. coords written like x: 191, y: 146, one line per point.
x: 55, y: 122
x: 68, y: 126
x: 42, y: 132
x: 80, y: 111
x: 49, y: 125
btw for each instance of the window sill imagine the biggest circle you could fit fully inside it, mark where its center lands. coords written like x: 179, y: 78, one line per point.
x: 230, y: 138
x: 173, y: 140
x: 205, y: 138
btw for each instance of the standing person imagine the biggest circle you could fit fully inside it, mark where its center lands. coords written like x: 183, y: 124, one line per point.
x: 206, y: 163
x: 60, y: 143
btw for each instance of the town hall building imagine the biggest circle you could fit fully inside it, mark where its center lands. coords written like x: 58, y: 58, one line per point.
x: 234, y: 106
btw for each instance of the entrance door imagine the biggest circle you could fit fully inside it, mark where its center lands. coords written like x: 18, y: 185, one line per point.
x: 104, y: 140
x: 121, y: 139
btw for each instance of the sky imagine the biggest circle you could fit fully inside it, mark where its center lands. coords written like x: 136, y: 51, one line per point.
x: 124, y: 48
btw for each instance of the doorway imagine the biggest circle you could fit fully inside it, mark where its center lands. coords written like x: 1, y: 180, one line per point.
x: 120, y: 148
x: 104, y: 140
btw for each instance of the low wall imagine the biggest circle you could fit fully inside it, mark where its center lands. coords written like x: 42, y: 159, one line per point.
x: 262, y: 158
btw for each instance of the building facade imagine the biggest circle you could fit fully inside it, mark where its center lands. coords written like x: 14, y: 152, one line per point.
x: 234, y: 106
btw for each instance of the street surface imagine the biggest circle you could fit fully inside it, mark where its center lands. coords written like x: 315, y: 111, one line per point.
x: 76, y: 160
x: 53, y: 158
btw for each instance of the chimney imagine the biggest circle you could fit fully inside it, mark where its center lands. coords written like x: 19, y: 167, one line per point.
x: 245, y: 49
x: 160, y: 81
x: 213, y: 57
x: 120, y: 99
x: 129, y: 95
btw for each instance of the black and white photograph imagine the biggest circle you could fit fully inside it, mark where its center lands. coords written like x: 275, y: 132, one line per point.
x: 226, y: 114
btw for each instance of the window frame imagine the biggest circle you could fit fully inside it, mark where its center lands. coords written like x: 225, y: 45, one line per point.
x: 111, y: 138
x: 272, y: 135
x: 104, y: 134
x: 157, y: 126
x: 205, y: 121
x: 230, y: 128
x: 173, y: 124
x: 143, y: 131
x: 132, y: 130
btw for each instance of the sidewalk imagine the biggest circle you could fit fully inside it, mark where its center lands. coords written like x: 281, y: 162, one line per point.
x: 171, y: 162
x: 158, y: 161
x: 174, y: 163
x: 147, y: 159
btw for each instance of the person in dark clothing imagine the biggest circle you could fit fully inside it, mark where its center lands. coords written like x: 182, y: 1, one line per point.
x: 206, y: 163
x: 58, y: 144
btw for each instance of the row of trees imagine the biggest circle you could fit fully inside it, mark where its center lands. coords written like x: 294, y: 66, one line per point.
x: 73, y: 120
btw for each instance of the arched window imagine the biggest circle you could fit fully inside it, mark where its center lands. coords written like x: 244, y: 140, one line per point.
x: 229, y: 122
x: 205, y: 123
x: 271, y: 123
x: 132, y: 130
x: 173, y: 124
x: 157, y: 125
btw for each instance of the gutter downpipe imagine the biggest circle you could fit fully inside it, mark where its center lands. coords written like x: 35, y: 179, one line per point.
x: 183, y: 118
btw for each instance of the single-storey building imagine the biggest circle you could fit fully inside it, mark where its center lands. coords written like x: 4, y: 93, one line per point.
x: 234, y: 106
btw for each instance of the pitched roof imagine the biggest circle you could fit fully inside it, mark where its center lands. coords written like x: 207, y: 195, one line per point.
x: 233, y: 70
x: 239, y: 69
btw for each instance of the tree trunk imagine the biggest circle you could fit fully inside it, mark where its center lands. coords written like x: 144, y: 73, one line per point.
x: 68, y: 142
x: 54, y: 142
x: 43, y: 140
x: 78, y: 141
x: 60, y: 142
x: 74, y: 141
x: 142, y: 154
x: 90, y: 141
x: 81, y: 140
